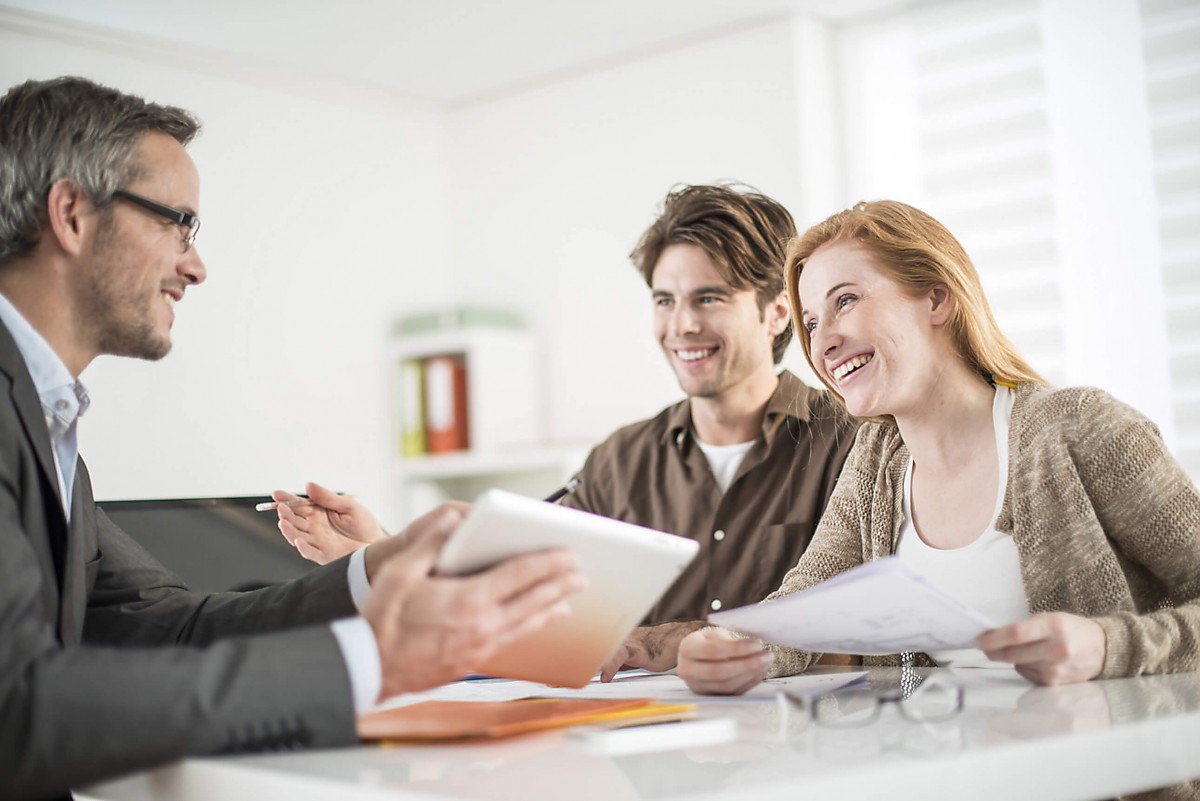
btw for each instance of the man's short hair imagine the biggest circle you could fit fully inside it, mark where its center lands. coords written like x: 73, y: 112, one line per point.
x: 70, y: 128
x: 744, y: 232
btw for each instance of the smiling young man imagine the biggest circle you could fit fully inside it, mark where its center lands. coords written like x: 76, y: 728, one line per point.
x: 108, y: 663
x: 745, y: 464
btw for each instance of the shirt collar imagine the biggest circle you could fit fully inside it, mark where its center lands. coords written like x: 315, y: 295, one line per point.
x: 61, y: 395
x: 792, y: 398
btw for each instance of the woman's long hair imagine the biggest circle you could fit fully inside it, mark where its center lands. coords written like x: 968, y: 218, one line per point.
x: 918, y: 253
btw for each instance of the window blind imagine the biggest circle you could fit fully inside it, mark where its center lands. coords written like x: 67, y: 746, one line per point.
x: 1171, y: 36
x: 986, y: 161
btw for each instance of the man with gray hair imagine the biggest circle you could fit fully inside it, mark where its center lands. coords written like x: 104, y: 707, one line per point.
x: 108, y: 663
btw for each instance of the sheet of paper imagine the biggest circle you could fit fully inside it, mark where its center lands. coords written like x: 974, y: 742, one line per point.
x: 805, y: 685
x: 666, y: 687
x: 881, y: 607
x: 485, y: 689
x: 669, y: 688
x: 490, y: 690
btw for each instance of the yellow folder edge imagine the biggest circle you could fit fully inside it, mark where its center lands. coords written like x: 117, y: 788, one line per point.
x: 653, y: 712
x: 661, y: 712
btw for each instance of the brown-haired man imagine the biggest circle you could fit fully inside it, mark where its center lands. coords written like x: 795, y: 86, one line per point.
x: 108, y: 663
x: 744, y: 465
x: 747, y: 462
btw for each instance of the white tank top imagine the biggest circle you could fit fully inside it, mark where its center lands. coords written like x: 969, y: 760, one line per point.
x: 986, y: 574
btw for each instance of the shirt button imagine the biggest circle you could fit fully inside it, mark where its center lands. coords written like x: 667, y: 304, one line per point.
x: 718, y: 535
x: 62, y: 405
x: 716, y: 604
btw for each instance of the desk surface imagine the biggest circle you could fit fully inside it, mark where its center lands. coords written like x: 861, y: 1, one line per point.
x: 1012, y: 740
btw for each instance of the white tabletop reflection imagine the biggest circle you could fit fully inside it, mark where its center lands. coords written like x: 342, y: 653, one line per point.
x: 1010, y: 740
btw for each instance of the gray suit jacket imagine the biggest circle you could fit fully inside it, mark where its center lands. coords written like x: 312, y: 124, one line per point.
x: 109, y: 664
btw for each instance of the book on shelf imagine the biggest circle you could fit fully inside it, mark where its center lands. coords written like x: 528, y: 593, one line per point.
x: 446, y: 409
x: 411, y: 389
x: 432, y: 408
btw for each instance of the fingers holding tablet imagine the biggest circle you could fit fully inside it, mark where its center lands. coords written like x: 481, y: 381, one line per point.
x: 519, y: 595
x: 420, y: 544
x: 544, y: 585
x: 431, y: 628
x: 434, y: 629
x: 627, y: 569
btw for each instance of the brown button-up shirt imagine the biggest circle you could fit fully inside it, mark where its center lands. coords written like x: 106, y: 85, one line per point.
x: 654, y: 474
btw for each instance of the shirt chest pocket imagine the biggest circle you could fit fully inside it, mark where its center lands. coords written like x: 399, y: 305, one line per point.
x: 779, y: 550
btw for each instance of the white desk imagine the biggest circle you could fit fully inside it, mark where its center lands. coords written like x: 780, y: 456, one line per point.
x: 1013, y: 740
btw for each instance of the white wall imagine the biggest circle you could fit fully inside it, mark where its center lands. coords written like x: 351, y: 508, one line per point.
x: 326, y: 214
x: 324, y: 219
x: 552, y: 188
x: 321, y: 221
x: 1023, y: 126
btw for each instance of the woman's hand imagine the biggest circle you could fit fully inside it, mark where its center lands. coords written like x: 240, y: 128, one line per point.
x: 1049, y: 648
x: 713, y: 662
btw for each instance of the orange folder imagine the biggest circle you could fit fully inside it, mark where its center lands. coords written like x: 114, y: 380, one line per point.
x: 446, y: 409
x: 458, y: 720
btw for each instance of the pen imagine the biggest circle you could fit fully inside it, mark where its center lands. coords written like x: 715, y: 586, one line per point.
x: 269, y: 506
x: 564, y: 490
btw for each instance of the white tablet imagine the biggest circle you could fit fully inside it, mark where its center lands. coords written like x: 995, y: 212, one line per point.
x: 627, y: 567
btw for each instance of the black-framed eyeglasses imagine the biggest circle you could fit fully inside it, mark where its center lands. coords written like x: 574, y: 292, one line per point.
x: 189, y: 224
x: 933, y: 702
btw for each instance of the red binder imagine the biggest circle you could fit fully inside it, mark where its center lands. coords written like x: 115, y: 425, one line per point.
x: 446, y: 404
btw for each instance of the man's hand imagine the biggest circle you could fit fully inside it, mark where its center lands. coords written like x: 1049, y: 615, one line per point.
x: 434, y: 629
x: 378, y: 553
x: 1049, y: 648
x: 326, y: 526
x: 713, y: 662
x: 653, y: 648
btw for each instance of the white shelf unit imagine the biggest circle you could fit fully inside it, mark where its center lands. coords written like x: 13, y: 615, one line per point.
x: 504, y: 421
x: 534, y: 471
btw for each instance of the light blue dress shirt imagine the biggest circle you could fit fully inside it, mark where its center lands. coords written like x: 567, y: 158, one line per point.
x: 64, y: 399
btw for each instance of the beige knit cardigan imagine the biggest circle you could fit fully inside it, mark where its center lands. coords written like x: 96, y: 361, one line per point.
x: 1106, y: 524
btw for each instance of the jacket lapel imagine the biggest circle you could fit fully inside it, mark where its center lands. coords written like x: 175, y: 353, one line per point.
x: 29, y: 409
x: 50, y: 544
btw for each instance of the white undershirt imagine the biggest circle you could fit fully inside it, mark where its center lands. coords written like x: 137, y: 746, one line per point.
x: 724, y: 460
x: 985, y: 574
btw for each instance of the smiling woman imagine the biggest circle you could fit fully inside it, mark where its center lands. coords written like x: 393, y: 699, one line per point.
x: 859, y: 245
x: 1059, y: 513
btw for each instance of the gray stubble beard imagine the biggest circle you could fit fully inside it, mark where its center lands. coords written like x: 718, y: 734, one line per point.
x: 113, y: 314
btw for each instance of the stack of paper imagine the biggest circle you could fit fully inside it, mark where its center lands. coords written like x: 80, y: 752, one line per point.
x: 638, y: 685
x: 881, y: 607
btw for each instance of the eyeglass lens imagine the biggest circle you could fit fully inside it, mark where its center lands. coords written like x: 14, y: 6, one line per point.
x: 858, y: 707
x: 933, y: 702
x: 189, y: 234
x: 846, y: 708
